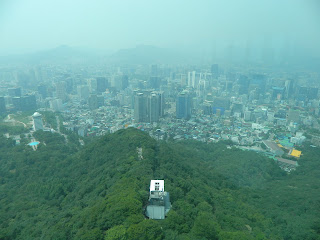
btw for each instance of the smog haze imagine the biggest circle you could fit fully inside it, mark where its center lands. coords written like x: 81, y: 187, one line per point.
x: 284, y: 26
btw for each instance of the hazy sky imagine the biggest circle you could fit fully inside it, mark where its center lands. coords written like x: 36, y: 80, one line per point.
x: 28, y: 25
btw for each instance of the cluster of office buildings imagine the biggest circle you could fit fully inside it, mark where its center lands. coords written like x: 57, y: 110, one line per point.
x: 207, y: 103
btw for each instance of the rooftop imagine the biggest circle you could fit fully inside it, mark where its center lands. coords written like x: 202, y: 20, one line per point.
x: 157, y: 185
x: 295, y: 153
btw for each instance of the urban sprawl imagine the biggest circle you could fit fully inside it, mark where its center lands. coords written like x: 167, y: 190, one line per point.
x: 272, y: 113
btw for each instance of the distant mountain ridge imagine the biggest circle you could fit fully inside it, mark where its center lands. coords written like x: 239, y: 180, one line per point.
x: 146, y: 54
x: 142, y: 54
x: 60, y: 55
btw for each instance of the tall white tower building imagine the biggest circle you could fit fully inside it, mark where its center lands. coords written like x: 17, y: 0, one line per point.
x: 37, y: 121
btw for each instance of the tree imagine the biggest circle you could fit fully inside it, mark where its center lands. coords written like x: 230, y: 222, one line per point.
x: 116, y: 233
x: 205, y: 226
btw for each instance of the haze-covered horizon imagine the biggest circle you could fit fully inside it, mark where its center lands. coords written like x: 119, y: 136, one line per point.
x: 288, y: 27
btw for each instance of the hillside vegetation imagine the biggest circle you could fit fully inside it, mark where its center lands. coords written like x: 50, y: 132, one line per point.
x: 63, y: 191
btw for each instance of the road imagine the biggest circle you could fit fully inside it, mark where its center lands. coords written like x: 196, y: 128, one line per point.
x: 10, y: 119
x: 58, y: 128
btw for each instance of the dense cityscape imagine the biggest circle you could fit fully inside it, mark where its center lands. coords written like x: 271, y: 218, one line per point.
x: 268, y: 112
x: 160, y: 120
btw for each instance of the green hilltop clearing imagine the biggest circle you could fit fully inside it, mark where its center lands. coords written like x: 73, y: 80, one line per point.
x: 99, y: 191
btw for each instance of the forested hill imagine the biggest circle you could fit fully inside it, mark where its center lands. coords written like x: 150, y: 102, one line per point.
x: 63, y: 191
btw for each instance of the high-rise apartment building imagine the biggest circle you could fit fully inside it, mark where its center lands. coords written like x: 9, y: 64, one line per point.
x: 194, y: 79
x: 148, y: 106
x: 183, y: 106
x: 140, y: 108
x: 154, y: 108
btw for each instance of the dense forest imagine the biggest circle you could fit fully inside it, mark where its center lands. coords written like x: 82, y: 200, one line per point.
x: 98, y: 191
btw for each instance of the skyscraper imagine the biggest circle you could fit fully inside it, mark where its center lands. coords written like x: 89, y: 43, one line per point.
x: 69, y: 84
x: 101, y: 84
x: 95, y: 101
x: 154, y: 107
x: 42, y: 90
x: 124, y: 82
x: 207, y: 107
x: 37, y: 121
x: 2, y: 105
x: 148, y: 106
x: 140, y: 108
x: 16, y: 102
x: 278, y: 93
x: 162, y: 103
x: 260, y: 81
x: 56, y: 105
x: 289, y: 89
x: 92, y: 83
x: 28, y: 102
x: 83, y: 92
x: 183, y: 106
x: 243, y: 83
x: 193, y: 79
x: 61, y: 92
